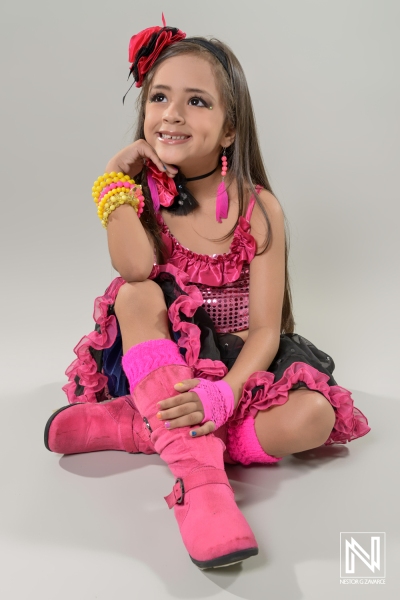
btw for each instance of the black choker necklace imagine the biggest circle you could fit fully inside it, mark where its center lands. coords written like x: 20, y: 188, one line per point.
x: 185, y: 202
x: 202, y: 176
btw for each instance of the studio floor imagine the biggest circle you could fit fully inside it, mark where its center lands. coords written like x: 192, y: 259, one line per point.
x: 96, y: 526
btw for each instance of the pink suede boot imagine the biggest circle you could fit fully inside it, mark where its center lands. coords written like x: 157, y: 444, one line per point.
x: 90, y: 427
x: 213, y: 529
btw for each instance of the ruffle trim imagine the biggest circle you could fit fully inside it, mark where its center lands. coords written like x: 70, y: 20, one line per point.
x: 212, y: 270
x: 83, y: 370
x: 350, y: 422
x: 189, y: 333
x: 259, y: 392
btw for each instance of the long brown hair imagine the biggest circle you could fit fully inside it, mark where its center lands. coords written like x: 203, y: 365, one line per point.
x: 245, y: 161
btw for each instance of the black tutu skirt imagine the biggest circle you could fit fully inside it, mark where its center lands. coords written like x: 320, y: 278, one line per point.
x: 96, y: 374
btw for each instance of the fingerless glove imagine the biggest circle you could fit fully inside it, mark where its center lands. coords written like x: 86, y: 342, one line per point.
x: 217, y: 399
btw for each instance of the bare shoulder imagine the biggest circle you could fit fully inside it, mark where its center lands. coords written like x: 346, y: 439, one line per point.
x: 258, y: 222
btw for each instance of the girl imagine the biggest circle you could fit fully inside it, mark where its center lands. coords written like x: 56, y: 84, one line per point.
x: 194, y: 354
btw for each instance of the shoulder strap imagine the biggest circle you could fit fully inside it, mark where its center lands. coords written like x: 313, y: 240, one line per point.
x: 252, y: 203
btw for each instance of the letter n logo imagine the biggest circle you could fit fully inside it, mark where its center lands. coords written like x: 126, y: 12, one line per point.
x: 372, y: 560
x: 362, y: 554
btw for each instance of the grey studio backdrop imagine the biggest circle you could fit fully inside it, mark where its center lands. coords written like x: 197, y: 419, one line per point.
x: 324, y: 80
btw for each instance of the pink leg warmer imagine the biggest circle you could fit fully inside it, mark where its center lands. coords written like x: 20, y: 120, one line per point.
x: 243, y: 446
x: 142, y: 359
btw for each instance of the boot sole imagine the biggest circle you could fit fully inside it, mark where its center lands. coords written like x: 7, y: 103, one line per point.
x: 227, y: 560
x: 49, y: 422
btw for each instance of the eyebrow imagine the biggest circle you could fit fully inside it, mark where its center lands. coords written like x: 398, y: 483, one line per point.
x: 190, y: 90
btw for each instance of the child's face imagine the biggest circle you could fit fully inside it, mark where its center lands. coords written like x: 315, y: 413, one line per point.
x: 182, y: 90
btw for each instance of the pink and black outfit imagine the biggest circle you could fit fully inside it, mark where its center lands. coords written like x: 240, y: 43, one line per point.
x: 207, y: 298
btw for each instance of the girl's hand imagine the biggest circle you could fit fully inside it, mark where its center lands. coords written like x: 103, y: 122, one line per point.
x: 185, y: 410
x: 130, y: 160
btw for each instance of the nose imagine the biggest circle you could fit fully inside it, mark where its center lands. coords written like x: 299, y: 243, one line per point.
x: 173, y: 114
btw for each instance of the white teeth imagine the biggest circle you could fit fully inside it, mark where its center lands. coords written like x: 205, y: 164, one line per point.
x: 173, y: 137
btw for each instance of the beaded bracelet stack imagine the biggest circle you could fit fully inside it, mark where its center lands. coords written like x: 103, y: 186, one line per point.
x: 113, y: 189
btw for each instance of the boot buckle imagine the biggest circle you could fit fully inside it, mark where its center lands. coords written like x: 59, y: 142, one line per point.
x: 147, y: 425
x: 194, y: 480
x: 180, y: 499
x: 177, y: 495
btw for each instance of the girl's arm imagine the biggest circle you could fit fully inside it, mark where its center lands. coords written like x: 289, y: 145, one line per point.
x: 267, y: 285
x: 131, y: 247
x: 131, y: 250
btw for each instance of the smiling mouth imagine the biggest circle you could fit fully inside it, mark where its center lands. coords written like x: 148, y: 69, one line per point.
x: 164, y: 136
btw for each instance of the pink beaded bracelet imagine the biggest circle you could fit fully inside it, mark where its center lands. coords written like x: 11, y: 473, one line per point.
x: 112, y: 186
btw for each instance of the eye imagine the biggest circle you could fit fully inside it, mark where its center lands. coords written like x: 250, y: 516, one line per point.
x: 197, y: 101
x: 157, y: 97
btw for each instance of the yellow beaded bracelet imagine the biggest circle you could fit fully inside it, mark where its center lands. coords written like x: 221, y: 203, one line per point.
x: 112, y: 203
x: 110, y: 190
x: 106, y: 180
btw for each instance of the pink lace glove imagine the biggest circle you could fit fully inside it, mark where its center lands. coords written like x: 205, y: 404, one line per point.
x: 217, y: 399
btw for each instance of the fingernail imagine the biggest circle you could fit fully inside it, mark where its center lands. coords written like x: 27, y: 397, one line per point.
x: 167, y: 424
x: 180, y: 383
x: 158, y: 415
x: 165, y: 168
x: 193, y: 433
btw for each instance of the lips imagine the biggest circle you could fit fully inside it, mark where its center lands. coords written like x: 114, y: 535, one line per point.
x: 168, y: 136
x: 172, y: 136
x: 173, y: 140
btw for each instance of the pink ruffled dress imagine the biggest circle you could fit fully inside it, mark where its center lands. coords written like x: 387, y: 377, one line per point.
x: 188, y: 280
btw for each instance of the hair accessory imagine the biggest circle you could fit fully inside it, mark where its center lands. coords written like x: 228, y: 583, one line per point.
x: 213, y: 49
x: 222, y: 204
x: 145, y: 47
x: 113, y: 189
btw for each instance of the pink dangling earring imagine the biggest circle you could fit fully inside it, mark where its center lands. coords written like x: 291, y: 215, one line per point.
x: 222, y: 195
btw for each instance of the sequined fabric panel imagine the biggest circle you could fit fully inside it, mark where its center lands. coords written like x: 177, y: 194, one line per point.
x: 228, y: 306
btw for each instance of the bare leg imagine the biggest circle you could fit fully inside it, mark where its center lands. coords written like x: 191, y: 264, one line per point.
x: 141, y: 313
x: 303, y: 422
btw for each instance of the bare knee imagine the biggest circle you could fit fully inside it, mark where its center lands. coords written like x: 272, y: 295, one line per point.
x: 317, y: 417
x: 303, y: 422
x: 138, y: 296
x: 141, y: 312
